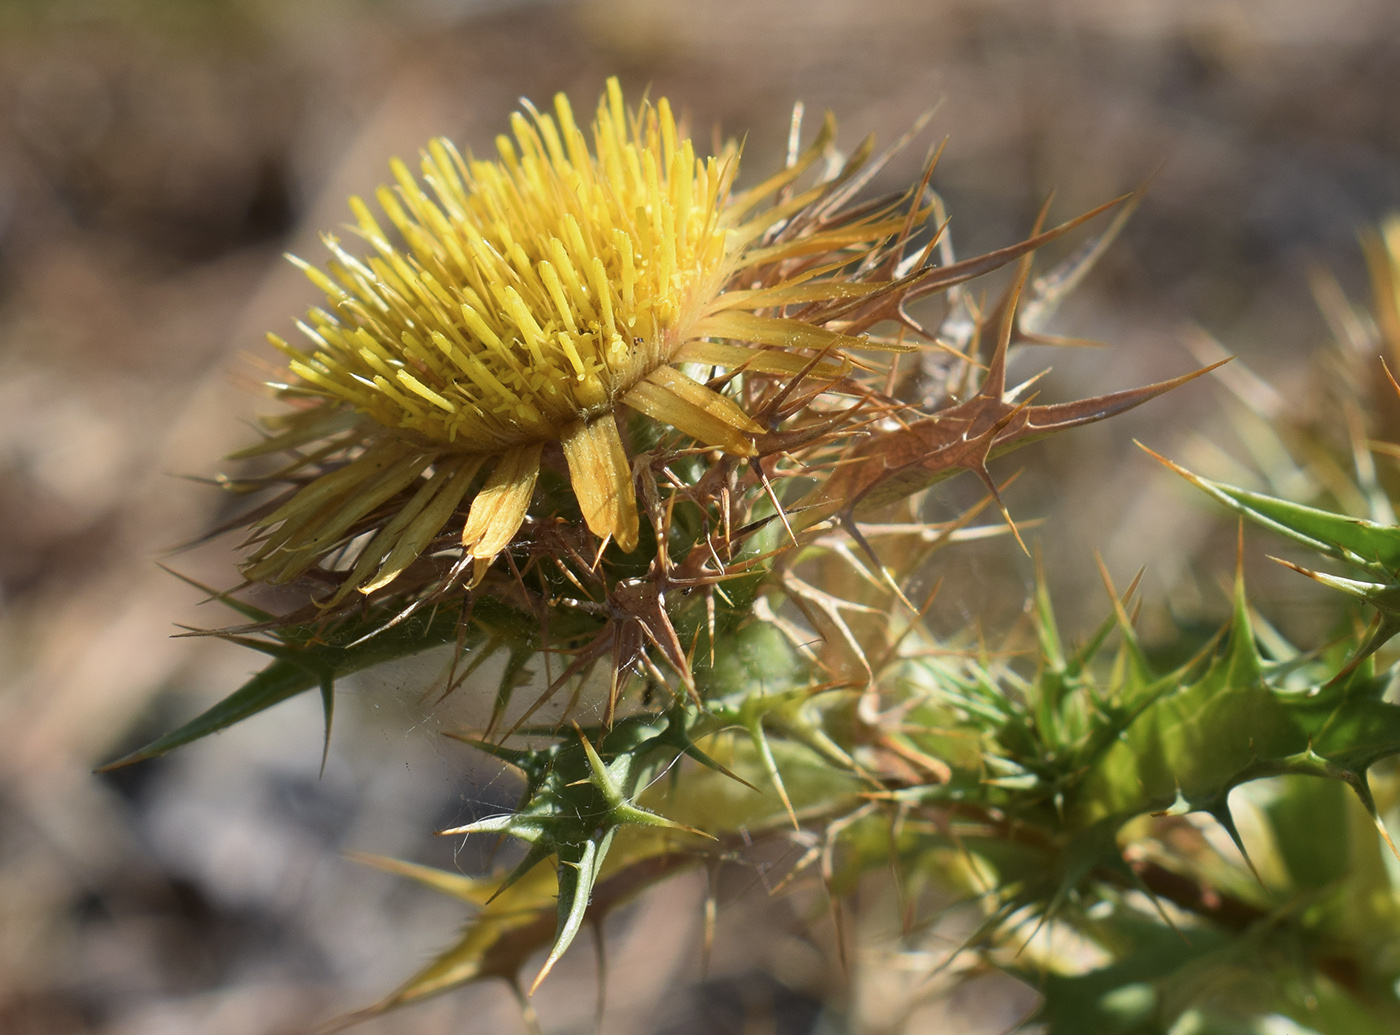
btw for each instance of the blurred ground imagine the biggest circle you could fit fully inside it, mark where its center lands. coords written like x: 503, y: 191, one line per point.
x: 155, y: 160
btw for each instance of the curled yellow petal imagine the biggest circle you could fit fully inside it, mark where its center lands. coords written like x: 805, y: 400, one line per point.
x: 602, y: 479
x: 669, y: 396
x: 500, y: 506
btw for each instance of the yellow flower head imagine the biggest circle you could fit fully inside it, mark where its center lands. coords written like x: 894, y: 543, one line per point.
x: 524, y: 300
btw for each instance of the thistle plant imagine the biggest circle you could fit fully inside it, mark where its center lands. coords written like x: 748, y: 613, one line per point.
x: 592, y: 407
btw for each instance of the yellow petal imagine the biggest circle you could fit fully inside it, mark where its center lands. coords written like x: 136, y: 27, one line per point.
x: 773, y: 330
x: 299, y: 428
x: 602, y: 479
x: 500, y: 506
x: 331, y: 486
x: 333, y: 522
x: 305, y: 537
x: 762, y: 361
x: 669, y: 396
x: 789, y: 293
x: 399, y: 543
x: 387, y: 537
x: 862, y: 237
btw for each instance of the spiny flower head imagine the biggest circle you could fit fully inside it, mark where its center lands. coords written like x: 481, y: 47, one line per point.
x: 529, y: 297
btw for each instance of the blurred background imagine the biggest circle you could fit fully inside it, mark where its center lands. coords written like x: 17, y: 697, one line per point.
x: 157, y: 157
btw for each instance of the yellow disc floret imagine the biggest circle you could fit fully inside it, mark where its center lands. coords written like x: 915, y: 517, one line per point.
x: 534, y: 290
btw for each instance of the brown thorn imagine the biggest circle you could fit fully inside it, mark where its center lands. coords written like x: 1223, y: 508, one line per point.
x: 848, y: 523
x: 1118, y: 608
x: 757, y: 467
x: 986, y: 478
x: 1389, y: 376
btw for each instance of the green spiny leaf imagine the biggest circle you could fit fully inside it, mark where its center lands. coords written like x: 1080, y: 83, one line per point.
x: 579, y: 866
x: 307, y: 658
x: 1371, y: 547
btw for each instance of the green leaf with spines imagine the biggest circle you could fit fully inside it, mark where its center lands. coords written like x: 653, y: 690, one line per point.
x: 510, y: 925
x: 1121, y: 741
x: 310, y: 657
x: 719, y: 797
x: 1367, y: 545
x: 1064, y: 756
x: 578, y: 796
x: 1207, y: 734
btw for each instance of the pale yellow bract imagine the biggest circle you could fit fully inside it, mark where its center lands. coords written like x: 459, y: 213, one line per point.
x: 529, y: 296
